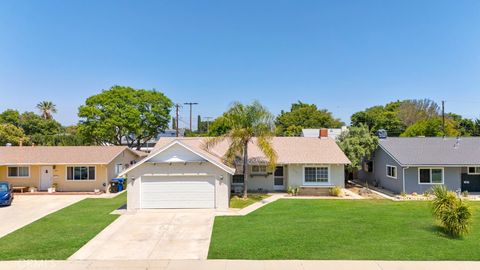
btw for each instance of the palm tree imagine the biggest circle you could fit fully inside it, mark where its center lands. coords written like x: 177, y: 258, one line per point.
x: 46, y: 108
x: 249, y: 124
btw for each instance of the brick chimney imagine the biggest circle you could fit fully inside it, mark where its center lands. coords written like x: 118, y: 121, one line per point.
x: 323, y: 133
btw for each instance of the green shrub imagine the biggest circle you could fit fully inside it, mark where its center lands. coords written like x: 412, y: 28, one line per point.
x: 454, y: 214
x: 457, y: 219
x: 293, y: 191
x: 465, y: 194
x: 426, y: 194
x: 335, y: 191
x: 403, y: 194
x: 444, y: 199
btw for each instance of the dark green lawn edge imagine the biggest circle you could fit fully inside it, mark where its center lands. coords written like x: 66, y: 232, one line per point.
x: 59, y: 235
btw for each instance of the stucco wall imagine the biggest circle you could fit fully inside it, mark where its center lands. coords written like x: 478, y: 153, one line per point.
x: 59, y: 177
x: 379, y: 175
x: 222, y: 179
x: 295, y: 175
x: 32, y: 181
x: 452, y: 179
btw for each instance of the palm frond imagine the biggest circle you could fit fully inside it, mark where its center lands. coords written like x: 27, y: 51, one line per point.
x: 265, y: 145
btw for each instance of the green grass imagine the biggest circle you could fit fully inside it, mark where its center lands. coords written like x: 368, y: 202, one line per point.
x: 239, y: 202
x: 58, y: 235
x: 341, y: 229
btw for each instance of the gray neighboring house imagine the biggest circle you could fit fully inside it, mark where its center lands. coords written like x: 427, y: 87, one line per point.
x: 417, y: 164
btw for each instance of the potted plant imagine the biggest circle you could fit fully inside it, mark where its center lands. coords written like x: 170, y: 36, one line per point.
x: 53, y: 188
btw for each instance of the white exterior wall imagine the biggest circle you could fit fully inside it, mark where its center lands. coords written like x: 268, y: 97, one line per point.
x: 222, y: 180
x: 260, y: 182
x: 336, y: 173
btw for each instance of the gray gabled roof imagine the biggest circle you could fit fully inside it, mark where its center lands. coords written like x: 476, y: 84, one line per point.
x: 433, y: 150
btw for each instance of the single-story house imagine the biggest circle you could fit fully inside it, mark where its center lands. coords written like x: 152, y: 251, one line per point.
x: 416, y: 164
x: 71, y: 168
x: 182, y: 173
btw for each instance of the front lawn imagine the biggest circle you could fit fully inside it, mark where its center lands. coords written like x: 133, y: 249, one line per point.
x: 60, y: 234
x: 341, y: 229
x: 237, y: 201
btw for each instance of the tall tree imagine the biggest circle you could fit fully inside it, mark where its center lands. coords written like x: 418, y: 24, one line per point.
x: 251, y: 123
x: 304, y: 115
x: 414, y: 110
x: 431, y: 128
x: 381, y: 117
x: 220, y: 126
x: 465, y: 126
x: 357, y: 143
x: 11, y: 134
x: 10, y: 116
x: 136, y: 115
x: 47, y: 109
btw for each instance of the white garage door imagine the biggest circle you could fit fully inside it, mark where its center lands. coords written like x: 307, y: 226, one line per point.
x: 178, y: 192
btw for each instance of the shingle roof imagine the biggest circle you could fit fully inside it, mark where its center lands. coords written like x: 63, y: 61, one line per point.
x: 433, y: 150
x: 290, y: 150
x: 28, y: 155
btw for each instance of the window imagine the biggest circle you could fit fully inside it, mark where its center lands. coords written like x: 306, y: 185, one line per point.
x: 392, y: 171
x: 316, y: 175
x: 19, y: 171
x: 237, y: 179
x: 368, y: 166
x: 118, y: 168
x: 81, y: 173
x: 261, y: 169
x: 430, y: 176
x: 473, y: 170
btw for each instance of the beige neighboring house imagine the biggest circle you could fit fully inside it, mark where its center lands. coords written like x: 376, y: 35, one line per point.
x: 72, y: 168
x: 181, y: 173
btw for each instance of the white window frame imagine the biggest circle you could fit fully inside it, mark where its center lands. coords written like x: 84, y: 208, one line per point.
x: 396, y: 171
x: 262, y: 172
x: 477, y: 170
x: 117, y: 172
x: 80, y: 180
x: 431, y: 168
x: 328, y: 183
x: 18, y: 170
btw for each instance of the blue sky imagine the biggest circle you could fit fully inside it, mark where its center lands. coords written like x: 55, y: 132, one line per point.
x: 341, y: 55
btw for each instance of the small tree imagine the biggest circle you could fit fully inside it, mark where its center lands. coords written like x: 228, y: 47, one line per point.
x: 454, y: 214
x: 357, y: 143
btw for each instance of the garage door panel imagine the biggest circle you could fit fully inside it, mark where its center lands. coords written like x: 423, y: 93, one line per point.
x: 178, y: 192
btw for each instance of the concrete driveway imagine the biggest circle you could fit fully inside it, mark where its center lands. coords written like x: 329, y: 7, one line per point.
x: 25, y: 209
x: 152, y: 235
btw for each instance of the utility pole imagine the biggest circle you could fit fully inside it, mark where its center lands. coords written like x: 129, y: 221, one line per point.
x: 443, y: 117
x: 208, y: 119
x: 190, y: 104
x: 177, y: 108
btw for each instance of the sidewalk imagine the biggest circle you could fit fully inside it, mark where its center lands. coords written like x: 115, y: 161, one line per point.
x: 238, y: 265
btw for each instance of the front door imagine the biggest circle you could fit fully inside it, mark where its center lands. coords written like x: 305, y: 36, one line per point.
x: 470, y: 182
x: 46, y: 177
x: 279, y: 178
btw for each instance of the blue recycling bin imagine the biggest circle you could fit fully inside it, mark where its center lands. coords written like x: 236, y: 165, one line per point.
x: 119, y: 183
